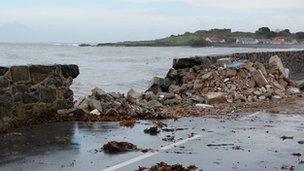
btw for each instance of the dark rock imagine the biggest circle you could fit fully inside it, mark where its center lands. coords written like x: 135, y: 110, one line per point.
x: 6, y: 104
x: 62, y: 104
x: 152, y: 130
x: 31, y: 97
x: 3, y: 70
x: 68, y: 94
x: 162, y: 166
x: 159, y: 85
x: 118, y: 147
x: 48, y: 94
x: 84, y: 45
x: 98, y: 93
x: 20, y: 73
x: 4, y: 83
x: 69, y: 70
x: 55, y: 80
x: 190, y: 62
x: 41, y: 72
x: 20, y: 88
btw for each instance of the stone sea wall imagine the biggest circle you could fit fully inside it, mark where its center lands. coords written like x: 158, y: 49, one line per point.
x: 30, y: 91
x: 294, y: 60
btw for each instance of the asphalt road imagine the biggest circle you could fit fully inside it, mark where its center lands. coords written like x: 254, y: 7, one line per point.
x: 247, y: 142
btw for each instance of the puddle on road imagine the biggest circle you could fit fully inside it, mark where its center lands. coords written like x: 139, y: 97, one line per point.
x: 254, y: 144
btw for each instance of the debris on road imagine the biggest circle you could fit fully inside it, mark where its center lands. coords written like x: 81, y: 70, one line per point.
x: 284, y: 137
x: 130, y: 122
x: 301, y: 142
x: 219, y: 145
x: 224, y: 88
x: 296, y: 154
x: 118, y: 147
x: 152, y: 130
x: 162, y: 166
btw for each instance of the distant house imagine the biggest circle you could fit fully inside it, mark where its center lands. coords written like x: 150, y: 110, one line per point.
x: 264, y: 41
x: 215, y: 39
x: 293, y: 42
x: 279, y: 40
x: 247, y: 41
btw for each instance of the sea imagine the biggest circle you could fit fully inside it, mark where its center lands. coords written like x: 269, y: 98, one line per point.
x: 115, y: 69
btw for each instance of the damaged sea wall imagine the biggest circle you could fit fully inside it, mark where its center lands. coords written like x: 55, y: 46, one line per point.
x: 294, y: 60
x: 27, y: 92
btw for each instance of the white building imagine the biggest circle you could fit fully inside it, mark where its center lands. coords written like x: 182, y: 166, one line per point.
x: 247, y: 41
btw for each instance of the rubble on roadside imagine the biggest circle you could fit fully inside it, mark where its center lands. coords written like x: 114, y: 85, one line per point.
x: 162, y: 166
x: 118, y: 147
x: 229, y: 86
x: 152, y: 130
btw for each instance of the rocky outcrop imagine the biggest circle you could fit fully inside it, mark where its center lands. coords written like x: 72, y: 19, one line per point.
x: 294, y: 60
x: 30, y: 91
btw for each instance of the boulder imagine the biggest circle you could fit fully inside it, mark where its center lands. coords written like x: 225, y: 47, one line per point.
x: 159, y: 85
x: 84, y: 105
x: 261, y: 67
x: 172, y: 73
x: 69, y: 70
x: 206, y: 76
x: 98, y: 93
x: 215, y: 97
x: 276, y: 63
x: 95, y: 104
x: 132, y: 95
x: 153, y: 104
x: 259, y: 78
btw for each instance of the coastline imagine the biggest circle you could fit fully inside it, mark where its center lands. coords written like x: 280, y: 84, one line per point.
x: 169, y: 97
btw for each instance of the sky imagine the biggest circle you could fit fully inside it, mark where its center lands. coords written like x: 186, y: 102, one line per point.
x: 77, y: 21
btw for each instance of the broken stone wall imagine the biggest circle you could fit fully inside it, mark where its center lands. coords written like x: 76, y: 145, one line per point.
x: 294, y: 60
x: 27, y: 92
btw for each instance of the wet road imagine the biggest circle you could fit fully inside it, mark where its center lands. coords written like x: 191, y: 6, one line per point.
x: 253, y: 142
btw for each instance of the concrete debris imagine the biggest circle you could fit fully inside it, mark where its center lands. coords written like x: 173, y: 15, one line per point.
x: 203, y: 106
x: 132, y: 95
x: 194, y: 90
x: 162, y: 166
x: 284, y: 137
x: 118, y: 147
x: 152, y: 130
x: 259, y: 78
x: 215, y: 97
x: 276, y: 64
x: 95, y: 112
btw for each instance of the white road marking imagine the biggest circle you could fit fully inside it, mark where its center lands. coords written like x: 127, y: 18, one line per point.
x: 250, y: 116
x: 149, y: 154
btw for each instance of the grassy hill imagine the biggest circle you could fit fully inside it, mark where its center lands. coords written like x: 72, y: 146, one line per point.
x: 198, y: 38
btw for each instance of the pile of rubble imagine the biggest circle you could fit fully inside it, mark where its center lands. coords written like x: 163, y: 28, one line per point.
x: 230, y: 82
x: 227, y: 82
x: 162, y: 166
